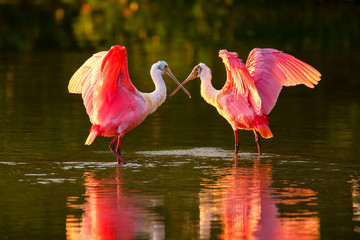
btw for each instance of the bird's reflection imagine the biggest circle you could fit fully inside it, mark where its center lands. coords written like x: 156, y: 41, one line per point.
x: 236, y: 202
x: 245, y: 205
x: 110, y: 213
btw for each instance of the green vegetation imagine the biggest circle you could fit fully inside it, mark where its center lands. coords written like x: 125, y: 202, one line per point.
x: 72, y: 24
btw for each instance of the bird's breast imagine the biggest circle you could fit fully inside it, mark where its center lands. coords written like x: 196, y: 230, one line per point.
x: 153, y: 101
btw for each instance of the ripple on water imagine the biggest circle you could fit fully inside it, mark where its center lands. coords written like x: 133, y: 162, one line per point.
x: 12, y: 163
x: 202, y: 152
x: 80, y: 165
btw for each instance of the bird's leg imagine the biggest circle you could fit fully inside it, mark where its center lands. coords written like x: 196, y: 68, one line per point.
x: 118, y: 144
x: 112, y: 148
x: 236, y: 141
x: 257, y: 140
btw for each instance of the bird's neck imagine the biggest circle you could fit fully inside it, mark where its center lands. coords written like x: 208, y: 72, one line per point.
x: 208, y: 92
x: 158, y: 96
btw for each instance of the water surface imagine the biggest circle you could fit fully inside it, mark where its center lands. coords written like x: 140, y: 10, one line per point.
x: 181, y: 180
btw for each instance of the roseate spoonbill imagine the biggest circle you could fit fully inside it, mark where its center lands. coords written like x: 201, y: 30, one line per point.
x: 112, y: 102
x: 251, y: 90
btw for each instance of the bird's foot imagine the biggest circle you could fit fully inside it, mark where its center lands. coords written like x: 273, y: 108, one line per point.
x: 121, y: 160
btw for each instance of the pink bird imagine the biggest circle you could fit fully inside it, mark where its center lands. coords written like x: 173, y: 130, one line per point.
x: 112, y: 102
x: 251, y: 90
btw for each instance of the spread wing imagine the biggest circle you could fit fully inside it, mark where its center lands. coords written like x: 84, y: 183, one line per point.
x: 99, y: 78
x: 86, y: 72
x: 271, y: 69
x: 114, y: 92
x: 239, y: 81
x: 85, y: 78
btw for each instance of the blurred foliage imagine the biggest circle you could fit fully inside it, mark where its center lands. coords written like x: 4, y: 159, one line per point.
x: 95, y: 24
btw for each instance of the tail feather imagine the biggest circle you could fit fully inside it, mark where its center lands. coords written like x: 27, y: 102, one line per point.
x: 262, y: 126
x: 264, y: 131
x: 91, y: 137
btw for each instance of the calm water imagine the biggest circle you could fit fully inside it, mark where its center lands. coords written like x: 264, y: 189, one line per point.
x: 181, y: 180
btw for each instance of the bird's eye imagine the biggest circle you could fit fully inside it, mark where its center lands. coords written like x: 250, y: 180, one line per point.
x: 166, y: 67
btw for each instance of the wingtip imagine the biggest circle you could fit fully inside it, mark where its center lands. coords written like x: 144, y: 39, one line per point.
x: 225, y: 53
x: 116, y: 54
x: 119, y: 48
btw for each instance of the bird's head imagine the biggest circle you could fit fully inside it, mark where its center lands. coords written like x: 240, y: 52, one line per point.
x: 164, y: 68
x: 198, y: 71
x: 161, y: 66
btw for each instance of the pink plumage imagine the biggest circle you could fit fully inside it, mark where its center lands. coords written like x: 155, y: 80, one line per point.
x: 112, y: 102
x: 251, y: 90
x: 271, y: 69
x: 107, y: 91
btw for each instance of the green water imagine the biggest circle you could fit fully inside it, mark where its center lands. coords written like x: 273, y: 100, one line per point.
x: 181, y: 180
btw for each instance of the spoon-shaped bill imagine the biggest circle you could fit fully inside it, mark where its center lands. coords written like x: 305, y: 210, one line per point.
x: 190, y: 77
x: 168, y: 71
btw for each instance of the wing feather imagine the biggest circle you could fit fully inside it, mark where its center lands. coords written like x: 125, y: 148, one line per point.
x: 114, y: 80
x: 85, y: 72
x: 239, y: 80
x: 271, y: 69
x: 84, y: 80
x: 113, y: 72
x: 99, y: 78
